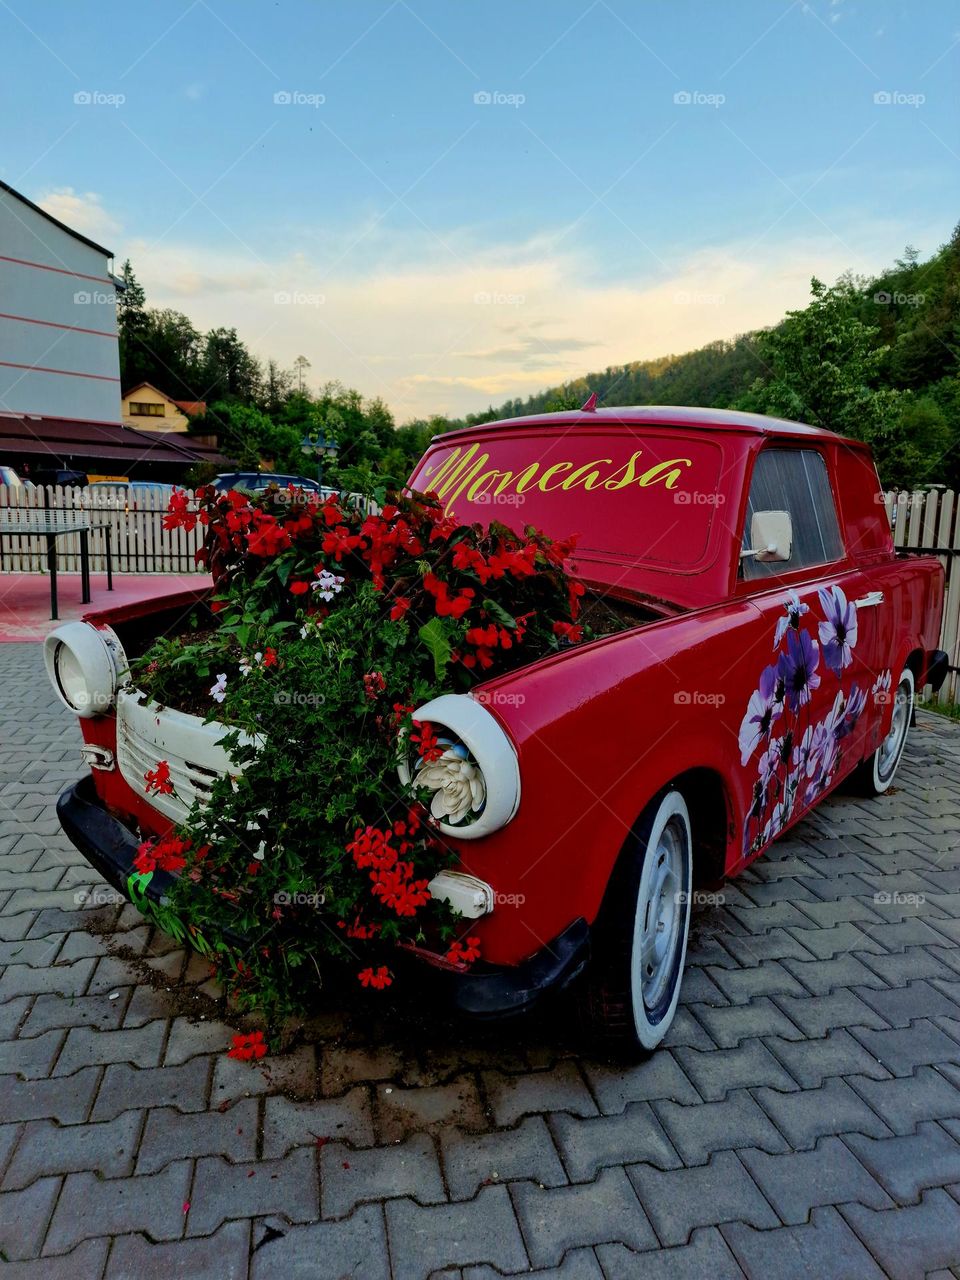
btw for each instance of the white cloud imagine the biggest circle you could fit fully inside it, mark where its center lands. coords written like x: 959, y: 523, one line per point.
x: 80, y: 210
x: 449, y: 332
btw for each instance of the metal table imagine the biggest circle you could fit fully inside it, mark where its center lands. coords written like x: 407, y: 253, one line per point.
x: 51, y: 524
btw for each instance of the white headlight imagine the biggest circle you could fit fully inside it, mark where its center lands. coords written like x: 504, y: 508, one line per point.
x: 478, y: 776
x: 83, y: 665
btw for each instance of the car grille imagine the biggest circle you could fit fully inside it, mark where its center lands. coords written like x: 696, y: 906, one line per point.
x: 148, y: 733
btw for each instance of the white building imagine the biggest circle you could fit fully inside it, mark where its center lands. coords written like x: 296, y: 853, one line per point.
x: 58, y: 318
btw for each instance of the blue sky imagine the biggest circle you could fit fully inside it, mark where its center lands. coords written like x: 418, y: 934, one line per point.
x: 634, y: 178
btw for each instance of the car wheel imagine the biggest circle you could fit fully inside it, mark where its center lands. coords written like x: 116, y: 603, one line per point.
x: 874, y: 776
x: 630, y: 994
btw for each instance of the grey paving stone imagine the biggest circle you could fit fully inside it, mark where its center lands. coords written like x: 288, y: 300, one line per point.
x: 817, y: 1015
x: 905, y: 1101
x: 54, y: 1012
x: 898, y: 969
x: 820, y: 977
x: 141, y: 1046
x: 403, y: 1111
x: 912, y: 1239
x: 902, y: 1050
x: 66, y: 979
x: 833, y: 1108
x: 561, y: 1089
x: 801, y: 1180
x: 293, y: 1073
x: 660, y: 1076
x: 222, y: 1190
x: 67, y: 1099
x: 409, y: 1168
x: 288, y: 1124
x: 89, y: 1207
x: 770, y: 977
x: 85, y: 1262
x: 679, y: 1200
x: 172, y: 1135
x: 426, y: 1239
x: 46, y: 1148
x: 473, y: 1160
x: 731, y: 1024
x: 706, y: 1255
x: 223, y: 1255
x: 810, y: 1062
x: 601, y: 1212
x: 716, y: 1073
x: 24, y: 1216
x: 824, y: 1247
x: 908, y: 1164
x: 698, y: 1131
x: 125, y: 1087
x: 354, y: 1249
x: 589, y: 1144
x: 33, y: 1058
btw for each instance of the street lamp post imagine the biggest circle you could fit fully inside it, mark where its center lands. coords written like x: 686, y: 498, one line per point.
x: 321, y: 447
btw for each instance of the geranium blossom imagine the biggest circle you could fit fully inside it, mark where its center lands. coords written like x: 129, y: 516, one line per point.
x: 218, y: 691
x: 249, y: 1046
x: 377, y: 978
x: 838, y: 633
x: 464, y: 952
x: 158, y: 780
x: 327, y: 584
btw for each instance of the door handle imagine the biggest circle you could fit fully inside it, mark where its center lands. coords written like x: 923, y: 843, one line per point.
x: 870, y: 600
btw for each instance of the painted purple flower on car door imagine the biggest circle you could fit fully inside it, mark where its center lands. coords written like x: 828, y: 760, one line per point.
x: 838, y: 632
x: 797, y: 668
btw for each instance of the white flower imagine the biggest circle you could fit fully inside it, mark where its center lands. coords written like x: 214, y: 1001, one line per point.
x: 246, y: 666
x: 219, y: 691
x: 327, y: 584
x: 311, y: 625
x: 457, y: 785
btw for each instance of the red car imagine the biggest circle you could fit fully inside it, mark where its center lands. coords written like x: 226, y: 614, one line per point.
x: 766, y: 642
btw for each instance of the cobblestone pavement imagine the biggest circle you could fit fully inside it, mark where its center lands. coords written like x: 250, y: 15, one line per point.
x: 803, y: 1120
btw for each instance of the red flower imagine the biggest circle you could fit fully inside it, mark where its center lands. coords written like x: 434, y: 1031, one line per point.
x: 425, y: 739
x: 179, y: 515
x: 299, y: 588
x: 249, y: 1046
x: 400, y: 607
x: 464, y: 952
x: 168, y: 854
x: 377, y: 978
x: 269, y: 658
x: 374, y: 682
x: 568, y: 631
x: 269, y: 538
x: 447, y: 606
x: 158, y: 780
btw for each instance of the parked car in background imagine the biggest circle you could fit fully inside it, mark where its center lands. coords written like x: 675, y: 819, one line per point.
x: 756, y: 640
x: 257, y: 480
x: 9, y: 478
x: 126, y: 495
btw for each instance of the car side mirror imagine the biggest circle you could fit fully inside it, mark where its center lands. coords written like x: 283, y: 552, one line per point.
x: 771, y: 536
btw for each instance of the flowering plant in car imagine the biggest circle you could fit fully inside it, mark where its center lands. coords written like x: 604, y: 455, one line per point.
x: 329, y: 626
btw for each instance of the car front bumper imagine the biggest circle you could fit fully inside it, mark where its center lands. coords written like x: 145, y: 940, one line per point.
x: 484, y: 992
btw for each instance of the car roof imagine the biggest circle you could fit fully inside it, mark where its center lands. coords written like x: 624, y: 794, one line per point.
x: 731, y: 420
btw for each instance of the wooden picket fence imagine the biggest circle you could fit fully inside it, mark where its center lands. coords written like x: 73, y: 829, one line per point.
x: 927, y: 521
x: 139, y: 542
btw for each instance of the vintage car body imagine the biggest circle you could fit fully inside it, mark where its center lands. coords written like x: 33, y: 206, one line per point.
x: 757, y: 685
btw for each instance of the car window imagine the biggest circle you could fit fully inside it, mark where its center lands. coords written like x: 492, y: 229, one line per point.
x: 794, y: 480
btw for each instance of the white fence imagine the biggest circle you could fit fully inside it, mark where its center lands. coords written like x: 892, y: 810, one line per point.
x: 138, y: 541
x: 929, y: 521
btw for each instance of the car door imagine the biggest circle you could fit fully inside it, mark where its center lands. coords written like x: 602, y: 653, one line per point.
x: 802, y: 727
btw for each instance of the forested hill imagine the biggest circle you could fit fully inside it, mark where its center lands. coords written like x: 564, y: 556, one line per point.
x: 874, y: 358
